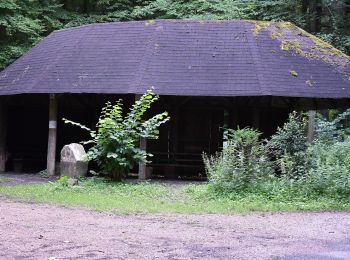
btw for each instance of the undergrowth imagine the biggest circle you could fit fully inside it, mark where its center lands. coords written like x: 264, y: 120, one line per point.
x: 145, y: 198
x: 285, y: 167
x: 3, y: 178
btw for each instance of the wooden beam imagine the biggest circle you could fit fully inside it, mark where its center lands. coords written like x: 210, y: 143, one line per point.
x: 142, y: 174
x: 3, y: 134
x: 142, y: 166
x: 311, y: 126
x: 52, y: 139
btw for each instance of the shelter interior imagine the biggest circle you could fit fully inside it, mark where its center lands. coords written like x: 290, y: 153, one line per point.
x: 196, y: 126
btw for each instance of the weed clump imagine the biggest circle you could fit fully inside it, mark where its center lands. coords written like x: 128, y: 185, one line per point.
x: 242, y: 164
x: 285, y: 167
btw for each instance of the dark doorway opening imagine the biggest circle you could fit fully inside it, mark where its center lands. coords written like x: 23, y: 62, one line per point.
x: 27, y: 124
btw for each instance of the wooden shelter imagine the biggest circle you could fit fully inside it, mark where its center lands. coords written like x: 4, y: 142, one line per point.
x: 209, y: 74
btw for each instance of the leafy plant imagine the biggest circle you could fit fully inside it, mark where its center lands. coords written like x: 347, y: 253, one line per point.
x: 23, y: 23
x: 329, y: 173
x: 63, y: 181
x: 330, y: 131
x: 243, y: 162
x: 115, y: 147
x: 288, y: 145
x: 44, y: 174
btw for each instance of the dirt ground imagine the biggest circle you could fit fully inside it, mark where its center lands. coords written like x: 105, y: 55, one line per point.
x: 12, y: 179
x: 34, y: 231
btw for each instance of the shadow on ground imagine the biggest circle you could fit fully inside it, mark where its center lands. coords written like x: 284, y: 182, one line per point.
x: 12, y: 179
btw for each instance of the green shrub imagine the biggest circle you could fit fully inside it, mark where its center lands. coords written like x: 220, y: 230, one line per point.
x: 242, y: 164
x: 309, y: 171
x: 329, y: 172
x: 115, y: 147
x: 63, y: 181
x: 288, y: 145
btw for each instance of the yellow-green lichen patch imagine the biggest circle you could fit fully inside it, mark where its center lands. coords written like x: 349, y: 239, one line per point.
x: 295, y: 39
x: 276, y: 35
x: 150, y: 22
x: 259, y: 26
x: 309, y: 83
x: 287, y: 45
x: 285, y: 25
x: 293, y: 73
x: 323, y: 46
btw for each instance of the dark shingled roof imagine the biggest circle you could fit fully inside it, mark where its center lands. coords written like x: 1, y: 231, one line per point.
x: 182, y: 57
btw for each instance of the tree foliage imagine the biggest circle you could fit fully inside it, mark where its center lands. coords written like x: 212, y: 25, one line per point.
x: 24, y: 22
x: 332, y: 130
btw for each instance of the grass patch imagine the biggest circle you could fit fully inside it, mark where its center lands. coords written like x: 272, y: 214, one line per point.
x: 3, y: 178
x: 129, y: 198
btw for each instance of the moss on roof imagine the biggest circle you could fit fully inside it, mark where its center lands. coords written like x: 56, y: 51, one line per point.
x: 293, y: 38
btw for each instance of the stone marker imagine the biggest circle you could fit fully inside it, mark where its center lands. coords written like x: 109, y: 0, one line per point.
x: 73, y: 162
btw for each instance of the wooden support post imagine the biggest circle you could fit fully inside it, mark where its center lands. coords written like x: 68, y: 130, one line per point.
x: 3, y: 131
x: 311, y: 126
x: 51, y: 147
x: 142, y: 166
x: 143, y: 145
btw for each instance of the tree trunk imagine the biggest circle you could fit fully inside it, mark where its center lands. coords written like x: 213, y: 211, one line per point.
x: 304, y: 6
x: 315, y: 13
x: 311, y: 126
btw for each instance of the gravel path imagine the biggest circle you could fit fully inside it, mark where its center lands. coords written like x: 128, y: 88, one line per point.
x: 12, y: 179
x: 34, y: 231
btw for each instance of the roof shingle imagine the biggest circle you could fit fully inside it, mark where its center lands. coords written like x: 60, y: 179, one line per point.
x: 181, y: 57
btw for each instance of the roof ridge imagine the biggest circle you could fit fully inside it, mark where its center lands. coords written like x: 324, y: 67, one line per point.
x: 254, y: 50
x: 146, y: 59
x: 148, y: 22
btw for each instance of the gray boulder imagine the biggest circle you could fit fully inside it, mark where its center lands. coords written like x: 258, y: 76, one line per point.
x: 73, y: 162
